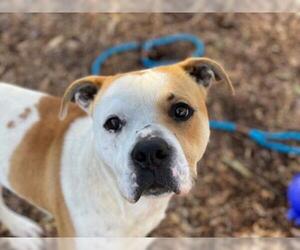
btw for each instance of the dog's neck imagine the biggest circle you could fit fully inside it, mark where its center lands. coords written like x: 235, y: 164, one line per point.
x: 91, y: 193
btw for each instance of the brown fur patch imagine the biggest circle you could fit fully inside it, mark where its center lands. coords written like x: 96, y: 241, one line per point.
x: 191, y: 134
x: 35, y: 165
x: 25, y: 113
x: 11, y: 124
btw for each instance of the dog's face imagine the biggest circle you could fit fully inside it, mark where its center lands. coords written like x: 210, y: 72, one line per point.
x: 150, y: 127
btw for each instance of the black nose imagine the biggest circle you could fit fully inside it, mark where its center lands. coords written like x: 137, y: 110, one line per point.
x: 151, y: 153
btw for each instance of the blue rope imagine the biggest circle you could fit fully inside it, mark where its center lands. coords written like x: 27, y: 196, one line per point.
x: 223, y: 125
x: 146, y: 47
x: 269, y: 140
x: 166, y: 40
x: 105, y: 55
x: 265, y: 139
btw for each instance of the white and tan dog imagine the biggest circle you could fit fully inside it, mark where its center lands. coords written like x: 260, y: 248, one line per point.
x: 109, y: 167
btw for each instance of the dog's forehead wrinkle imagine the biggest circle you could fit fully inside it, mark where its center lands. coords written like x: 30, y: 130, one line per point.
x: 170, y: 97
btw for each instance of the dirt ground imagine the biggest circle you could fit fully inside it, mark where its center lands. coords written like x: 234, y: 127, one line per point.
x: 241, y: 188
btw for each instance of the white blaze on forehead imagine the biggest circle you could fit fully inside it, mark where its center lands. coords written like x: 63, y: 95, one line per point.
x: 131, y: 93
x: 150, y: 82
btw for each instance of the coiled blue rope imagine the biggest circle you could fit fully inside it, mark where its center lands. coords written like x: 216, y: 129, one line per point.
x: 146, y: 47
x: 273, y: 141
x: 166, y: 40
x: 106, y: 54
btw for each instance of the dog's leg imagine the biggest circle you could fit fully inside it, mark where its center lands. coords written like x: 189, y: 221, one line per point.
x: 17, y: 224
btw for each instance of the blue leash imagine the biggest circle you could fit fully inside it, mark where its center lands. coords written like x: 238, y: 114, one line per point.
x: 100, y: 60
x: 146, y: 47
x: 270, y: 140
x: 166, y: 40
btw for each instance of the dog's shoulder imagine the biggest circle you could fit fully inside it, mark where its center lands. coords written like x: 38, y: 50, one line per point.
x: 35, y: 135
x: 17, y: 116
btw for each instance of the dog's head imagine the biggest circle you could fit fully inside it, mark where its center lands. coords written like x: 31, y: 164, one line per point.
x: 150, y: 127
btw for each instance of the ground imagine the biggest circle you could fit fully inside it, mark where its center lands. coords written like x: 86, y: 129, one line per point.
x: 241, y: 187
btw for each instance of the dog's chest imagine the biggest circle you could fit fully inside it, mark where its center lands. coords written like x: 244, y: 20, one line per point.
x: 130, y: 221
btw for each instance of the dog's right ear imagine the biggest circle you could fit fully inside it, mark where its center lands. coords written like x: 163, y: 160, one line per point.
x: 205, y: 71
x: 82, y: 92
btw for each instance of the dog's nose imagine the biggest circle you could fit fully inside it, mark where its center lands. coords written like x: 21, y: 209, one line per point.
x: 151, y: 153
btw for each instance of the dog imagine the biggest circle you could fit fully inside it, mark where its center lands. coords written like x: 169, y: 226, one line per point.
x: 105, y: 159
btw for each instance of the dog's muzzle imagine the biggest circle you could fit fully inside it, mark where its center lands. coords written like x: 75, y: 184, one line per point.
x: 152, y: 159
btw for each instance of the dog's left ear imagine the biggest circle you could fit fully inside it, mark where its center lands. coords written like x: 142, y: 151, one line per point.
x: 82, y: 92
x: 205, y: 71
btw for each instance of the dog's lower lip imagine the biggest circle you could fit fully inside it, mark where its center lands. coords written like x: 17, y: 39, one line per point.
x: 137, y: 196
x: 151, y: 190
x: 157, y: 189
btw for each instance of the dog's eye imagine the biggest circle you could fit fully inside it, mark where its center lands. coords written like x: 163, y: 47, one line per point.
x: 113, y: 124
x: 181, y: 111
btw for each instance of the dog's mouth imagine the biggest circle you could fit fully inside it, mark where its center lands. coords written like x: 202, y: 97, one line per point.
x: 155, y: 184
x: 156, y: 189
